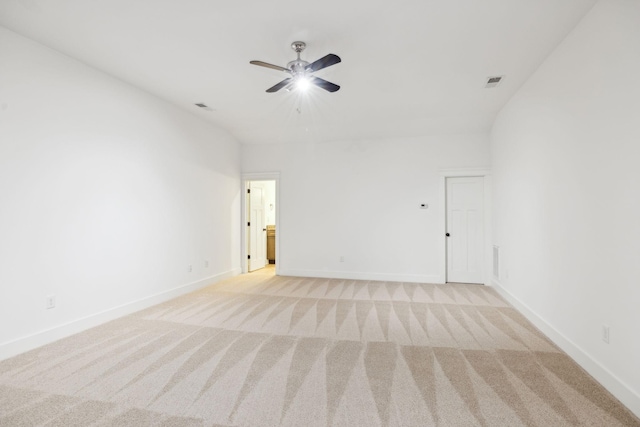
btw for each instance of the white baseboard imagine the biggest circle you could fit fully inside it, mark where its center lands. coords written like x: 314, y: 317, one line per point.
x: 629, y: 397
x: 21, y: 345
x: 350, y: 275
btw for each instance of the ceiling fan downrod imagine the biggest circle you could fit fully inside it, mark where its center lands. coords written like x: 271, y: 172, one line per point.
x: 298, y: 66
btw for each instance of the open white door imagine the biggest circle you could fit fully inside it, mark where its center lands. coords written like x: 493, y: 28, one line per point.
x: 257, y: 230
x: 465, y: 229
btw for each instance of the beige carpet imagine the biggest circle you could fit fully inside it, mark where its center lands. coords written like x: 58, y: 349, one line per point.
x: 259, y: 350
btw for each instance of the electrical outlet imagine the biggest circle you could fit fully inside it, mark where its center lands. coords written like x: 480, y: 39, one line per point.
x: 190, y: 268
x: 206, y: 263
x: 50, y: 302
x: 605, y: 333
x: 341, y: 259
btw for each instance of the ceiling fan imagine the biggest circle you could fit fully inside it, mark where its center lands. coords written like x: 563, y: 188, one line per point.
x: 301, y: 71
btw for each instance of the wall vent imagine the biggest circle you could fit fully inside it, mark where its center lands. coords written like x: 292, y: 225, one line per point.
x: 204, y: 106
x: 496, y: 262
x: 493, y: 81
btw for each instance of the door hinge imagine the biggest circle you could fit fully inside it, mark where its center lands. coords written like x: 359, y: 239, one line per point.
x: 248, y: 224
x: 248, y: 256
x: 248, y: 190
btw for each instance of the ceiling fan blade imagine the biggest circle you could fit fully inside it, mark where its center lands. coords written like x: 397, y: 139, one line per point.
x: 331, y: 87
x: 279, y: 86
x: 323, y: 62
x: 265, y: 64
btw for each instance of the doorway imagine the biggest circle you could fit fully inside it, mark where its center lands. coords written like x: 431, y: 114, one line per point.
x: 260, y: 230
x: 465, y: 229
x: 482, y: 262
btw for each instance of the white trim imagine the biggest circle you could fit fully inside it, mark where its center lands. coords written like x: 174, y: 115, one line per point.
x: 29, y: 342
x: 350, y: 275
x: 617, y: 387
x: 442, y: 217
x: 464, y: 172
x: 259, y: 176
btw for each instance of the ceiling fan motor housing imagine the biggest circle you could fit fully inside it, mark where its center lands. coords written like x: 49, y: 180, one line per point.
x: 297, y: 66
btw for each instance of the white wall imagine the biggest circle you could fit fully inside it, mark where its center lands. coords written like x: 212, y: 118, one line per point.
x: 566, y: 153
x: 360, y: 200
x: 107, y: 194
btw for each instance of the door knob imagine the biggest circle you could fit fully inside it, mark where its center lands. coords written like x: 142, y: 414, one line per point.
x: 447, y: 234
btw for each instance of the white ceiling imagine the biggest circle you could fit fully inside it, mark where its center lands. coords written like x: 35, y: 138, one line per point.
x: 409, y: 67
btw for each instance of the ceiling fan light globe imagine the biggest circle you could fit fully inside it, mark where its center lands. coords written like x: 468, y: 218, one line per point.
x: 303, y: 83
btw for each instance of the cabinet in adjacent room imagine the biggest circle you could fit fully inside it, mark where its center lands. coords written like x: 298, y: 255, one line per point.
x: 271, y: 244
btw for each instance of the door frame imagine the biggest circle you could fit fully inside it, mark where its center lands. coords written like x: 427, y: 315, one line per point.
x: 246, y: 178
x: 442, y: 218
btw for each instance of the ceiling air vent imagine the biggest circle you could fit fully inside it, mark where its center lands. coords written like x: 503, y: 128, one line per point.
x: 204, y: 107
x: 493, y: 81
